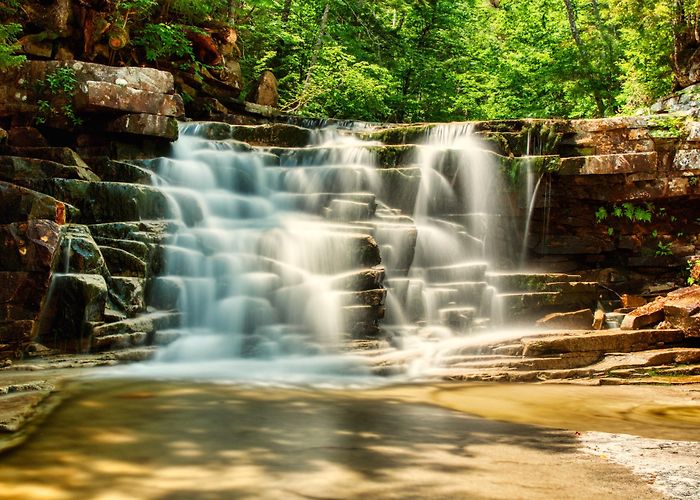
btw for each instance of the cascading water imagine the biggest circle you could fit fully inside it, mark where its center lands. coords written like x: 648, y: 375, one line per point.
x: 274, y: 244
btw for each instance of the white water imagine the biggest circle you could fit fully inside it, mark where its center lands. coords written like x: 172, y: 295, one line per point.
x: 269, y: 237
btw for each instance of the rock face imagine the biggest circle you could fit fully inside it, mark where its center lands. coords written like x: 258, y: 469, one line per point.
x: 679, y: 309
x: 131, y: 101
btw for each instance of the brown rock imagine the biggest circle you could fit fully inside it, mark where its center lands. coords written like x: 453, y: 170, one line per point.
x: 649, y: 314
x: 21, y: 294
x: 598, y: 319
x: 632, y: 300
x: 265, y: 91
x: 28, y: 246
x: 609, y: 164
x: 577, y: 320
x: 682, y: 310
x: 100, y: 96
x: 20, y: 204
x: 24, y: 137
x: 145, y: 124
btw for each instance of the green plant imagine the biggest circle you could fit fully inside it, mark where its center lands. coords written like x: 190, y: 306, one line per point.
x: 654, y: 233
x: 611, y: 231
x: 693, y: 181
x: 601, y: 214
x: 693, y: 268
x: 8, y: 45
x: 663, y: 249
x: 58, y: 85
x: 164, y: 41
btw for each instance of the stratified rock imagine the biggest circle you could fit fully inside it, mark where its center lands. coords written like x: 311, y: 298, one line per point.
x: 21, y: 204
x: 632, y: 300
x: 265, y: 92
x: 19, y: 170
x: 109, y: 201
x: 129, y: 292
x: 577, y: 320
x: 123, y: 263
x: 103, y: 96
x: 145, y: 124
x: 28, y: 246
x: 609, y: 164
x: 364, y: 279
x: 601, y: 342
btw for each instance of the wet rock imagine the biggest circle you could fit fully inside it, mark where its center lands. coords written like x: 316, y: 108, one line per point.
x: 123, y: 263
x: 264, y: 92
x: 468, y: 271
x: 274, y: 135
x: 19, y: 170
x: 365, y: 279
x: 75, y: 301
x: 21, y: 204
x: 79, y: 252
x: 365, y: 297
x: 140, y: 330
x: 28, y: 246
x: 104, y: 96
x: 576, y: 320
x: 458, y: 318
x: 121, y: 171
x: 145, y: 124
x: 129, y: 292
x: 536, y: 282
x: 109, y: 201
x: 346, y: 210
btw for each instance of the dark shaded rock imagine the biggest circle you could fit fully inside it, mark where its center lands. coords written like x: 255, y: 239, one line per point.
x: 120, y: 171
x: 577, y: 320
x: 75, y: 301
x: 108, y: 201
x: 79, y: 252
x: 21, y: 204
x: 20, y: 170
x: 28, y: 246
x: 129, y: 292
x: 264, y: 92
x: 21, y: 294
x: 26, y: 137
x: 123, y: 263
x: 145, y: 124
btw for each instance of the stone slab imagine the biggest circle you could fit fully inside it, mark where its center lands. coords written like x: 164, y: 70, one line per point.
x: 104, y: 96
x: 145, y: 124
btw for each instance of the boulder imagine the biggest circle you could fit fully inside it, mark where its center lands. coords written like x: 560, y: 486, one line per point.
x: 79, y: 252
x: 22, y: 137
x: 683, y: 311
x: 576, y: 320
x: 75, y: 301
x: 648, y: 314
x: 264, y: 92
x: 681, y: 305
x: 129, y: 293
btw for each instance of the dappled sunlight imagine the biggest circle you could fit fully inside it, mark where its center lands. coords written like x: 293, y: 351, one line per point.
x: 223, y: 441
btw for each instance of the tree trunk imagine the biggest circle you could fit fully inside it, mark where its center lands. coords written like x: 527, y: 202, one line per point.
x: 286, y: 10
x: 571, y: 14
x: 318, y: 46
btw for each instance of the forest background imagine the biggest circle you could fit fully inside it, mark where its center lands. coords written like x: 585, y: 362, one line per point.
x: 432, y: 60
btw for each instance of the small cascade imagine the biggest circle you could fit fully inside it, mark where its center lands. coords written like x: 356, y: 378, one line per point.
x: 289, y: 253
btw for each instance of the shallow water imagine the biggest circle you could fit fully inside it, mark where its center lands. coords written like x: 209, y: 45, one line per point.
x: 147, y: 439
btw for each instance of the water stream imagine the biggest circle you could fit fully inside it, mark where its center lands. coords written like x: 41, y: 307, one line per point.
x: 278, y: 255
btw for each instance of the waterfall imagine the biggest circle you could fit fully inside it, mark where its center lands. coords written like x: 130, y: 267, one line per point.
x: 282, y: 251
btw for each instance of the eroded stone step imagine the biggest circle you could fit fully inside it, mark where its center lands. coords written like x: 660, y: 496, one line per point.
x: 533, y: 282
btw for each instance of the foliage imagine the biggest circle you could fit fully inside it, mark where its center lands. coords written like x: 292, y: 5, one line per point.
x: 8, y: 46
x: 693, y: 271
x: 663, y: 249
x: 164, y: 41
x: 57, y: 87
